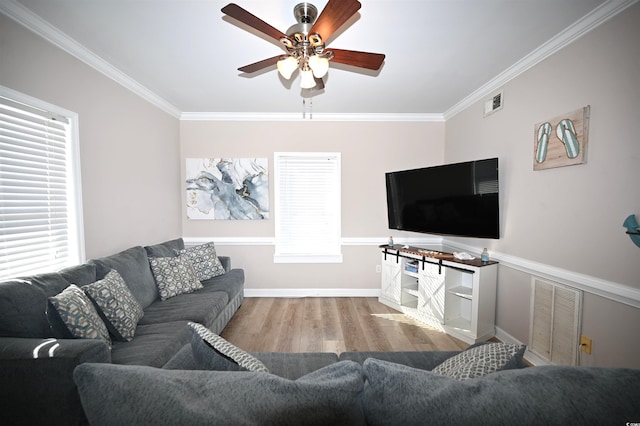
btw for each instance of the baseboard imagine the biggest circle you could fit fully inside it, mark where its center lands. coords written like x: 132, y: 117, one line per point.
x: 311, y: 292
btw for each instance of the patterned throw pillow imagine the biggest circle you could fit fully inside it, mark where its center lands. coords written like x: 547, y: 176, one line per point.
x: 79, y: 314
x: 174, y: 276
x: 118, y: 305
x: 212, y: 352
x: 481, y: 360
x: 204, y: 260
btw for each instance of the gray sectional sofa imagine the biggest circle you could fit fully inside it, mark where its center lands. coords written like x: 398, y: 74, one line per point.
x: 356, y: 388
x: 168, y: 375
x: 38, y: 353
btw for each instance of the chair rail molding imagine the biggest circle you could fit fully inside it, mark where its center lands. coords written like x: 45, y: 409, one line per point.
x: 608, y: 289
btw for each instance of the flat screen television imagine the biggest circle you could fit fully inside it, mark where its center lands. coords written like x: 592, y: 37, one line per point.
x: 453, y: 199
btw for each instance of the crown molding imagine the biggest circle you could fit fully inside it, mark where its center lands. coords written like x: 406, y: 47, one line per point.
x: 36, y: 24
x: 599, y: 15
x: 239, y: 116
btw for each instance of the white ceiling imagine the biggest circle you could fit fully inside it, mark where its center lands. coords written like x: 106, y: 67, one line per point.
x: 184, y: 54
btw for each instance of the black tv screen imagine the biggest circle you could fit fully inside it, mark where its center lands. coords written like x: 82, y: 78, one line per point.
x: 453, y: 199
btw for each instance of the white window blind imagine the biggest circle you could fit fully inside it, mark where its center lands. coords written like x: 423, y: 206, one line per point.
x: 307, y: 207
x: 39, y: 219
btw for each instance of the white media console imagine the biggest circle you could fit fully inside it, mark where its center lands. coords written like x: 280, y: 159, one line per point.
x: 456, y: 296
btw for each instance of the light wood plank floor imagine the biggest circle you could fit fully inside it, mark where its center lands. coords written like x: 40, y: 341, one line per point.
x: 319, y: 324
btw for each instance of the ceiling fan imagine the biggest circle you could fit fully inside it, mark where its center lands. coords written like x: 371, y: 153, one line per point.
x: 305, y: 42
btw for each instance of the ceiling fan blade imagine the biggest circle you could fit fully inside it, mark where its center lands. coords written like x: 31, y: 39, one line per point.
x: 257, y: 66
x: 236, y: 12
x: 372, y: 61
x: 333, y: 16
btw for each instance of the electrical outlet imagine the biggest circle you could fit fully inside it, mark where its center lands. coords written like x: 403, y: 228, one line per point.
x: 378, y: 269
x: 585, y: 344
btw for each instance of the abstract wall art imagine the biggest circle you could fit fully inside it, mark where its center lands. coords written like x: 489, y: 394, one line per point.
x: 561, y: 141
x: 227, y: 188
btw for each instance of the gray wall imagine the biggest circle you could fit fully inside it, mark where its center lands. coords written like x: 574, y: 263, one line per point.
x: 129, y: 149
x: 368, y: 150
x: 568, y: 220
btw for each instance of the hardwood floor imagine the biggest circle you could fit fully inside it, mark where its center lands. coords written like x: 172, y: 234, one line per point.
x: 318, y: 324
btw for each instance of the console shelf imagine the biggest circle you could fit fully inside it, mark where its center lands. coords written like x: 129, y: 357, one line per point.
x: 464, y: 292
x: 459, y: 295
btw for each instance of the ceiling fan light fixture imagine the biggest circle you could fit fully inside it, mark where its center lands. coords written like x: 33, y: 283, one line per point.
x: 306, y: 79
x: 286, y: 66
x: 319, y: 65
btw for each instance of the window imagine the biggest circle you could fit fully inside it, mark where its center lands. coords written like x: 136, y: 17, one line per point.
x: 40, y: 216
x: 307, y: 207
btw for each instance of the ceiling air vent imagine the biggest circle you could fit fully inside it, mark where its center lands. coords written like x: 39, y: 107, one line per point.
x: 493, y: 104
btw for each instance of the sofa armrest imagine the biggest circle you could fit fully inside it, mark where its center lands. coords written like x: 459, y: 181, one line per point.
x: 226, y: 262
x: 81, y: 350
x: 37, y: 378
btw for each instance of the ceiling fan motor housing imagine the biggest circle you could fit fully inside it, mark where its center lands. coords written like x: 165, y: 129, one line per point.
x: 300, y: 43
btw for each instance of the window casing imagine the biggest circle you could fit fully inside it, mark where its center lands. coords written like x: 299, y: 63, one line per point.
x: 40, y: 203
x: 307, y: 207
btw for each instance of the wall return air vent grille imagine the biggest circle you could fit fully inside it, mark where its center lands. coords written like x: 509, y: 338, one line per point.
x: 555, y: 322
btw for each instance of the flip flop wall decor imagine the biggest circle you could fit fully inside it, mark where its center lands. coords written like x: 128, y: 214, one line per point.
x: 562, y: 140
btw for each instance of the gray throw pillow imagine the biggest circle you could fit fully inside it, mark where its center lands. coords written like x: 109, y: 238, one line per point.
x: 212, y: 352
x: 204, y: 260
x: 478, y: 361
x: 115, y: 395
x: 79, y: 315
x: 174, y: 276
x: 121, y: 310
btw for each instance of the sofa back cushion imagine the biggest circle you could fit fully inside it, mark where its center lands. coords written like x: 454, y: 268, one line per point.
x: 80, y: 274
x: 133, y: 266
x: 397, y: 394
x: 329, y: 396
x: 23, y: 309
x: 166, y: 249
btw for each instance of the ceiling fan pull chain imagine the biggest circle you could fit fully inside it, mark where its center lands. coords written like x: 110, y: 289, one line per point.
x: 304, y: 108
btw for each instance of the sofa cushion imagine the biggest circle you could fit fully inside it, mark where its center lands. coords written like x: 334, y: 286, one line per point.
x: 154, y: 344
x: 424, y: 360
x: 396, y: 394
x: 204, y: 260
x: 293, y: 365
x: 174, y: 276
x: 133, y: 266
x: 231, y: 283
x: 166, y: 249
x: 79, y: 314
x: 120, y: 309
x: 199, y: 307
x: 478, y: 361
x: 23, y: 307
x: 212, y: 352
x: 50, y: 283
x: 80, y: 274
x: 330, y: 396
